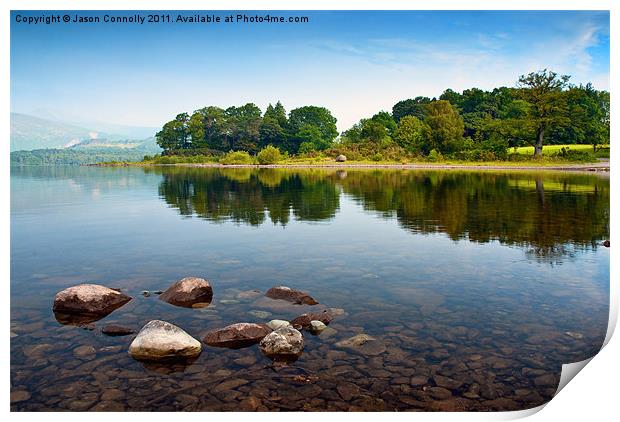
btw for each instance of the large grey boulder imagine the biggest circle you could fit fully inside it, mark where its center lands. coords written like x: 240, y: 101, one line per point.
x: 159, y: 340
x: 188, y: 292
x: 89, y: 299
x: 284, y: 343
x: 341, y: 158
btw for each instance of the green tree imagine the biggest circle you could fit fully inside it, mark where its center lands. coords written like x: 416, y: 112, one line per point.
x: 243, y: 124
x: 452, y: 97
x: 386, y: 120
x: 175, y: 134
x: 411, y: 107
x: 373, y: 131
x: 311, y: 139
x: 446, y: 126
x: 272, y: 130
x: 317, y: 117
x: 412, y: 134
x: 548, y: 108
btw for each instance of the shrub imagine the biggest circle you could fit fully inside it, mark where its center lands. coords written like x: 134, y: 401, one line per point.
x: 269, y: 155
x: 236, y: 157
x: 575, y: 155
x: 435, y: 156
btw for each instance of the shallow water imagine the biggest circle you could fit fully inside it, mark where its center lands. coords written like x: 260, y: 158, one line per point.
x: 478, y: 286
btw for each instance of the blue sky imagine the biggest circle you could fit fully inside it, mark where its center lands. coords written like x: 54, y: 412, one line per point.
x: 353, y: 62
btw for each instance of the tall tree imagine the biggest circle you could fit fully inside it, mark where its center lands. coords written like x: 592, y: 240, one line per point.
x: 175, y: 134
x: 411, y: 107
x: 412, y: 134
x: 548, y: 108
x: 272, y: 130
x: 319, y: 117
x: 243, y: 127
x: 446, y: 126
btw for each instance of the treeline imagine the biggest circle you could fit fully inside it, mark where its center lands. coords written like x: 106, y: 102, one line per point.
x: 544, y: 108
x: 246, y: 128
x: 51, y: 157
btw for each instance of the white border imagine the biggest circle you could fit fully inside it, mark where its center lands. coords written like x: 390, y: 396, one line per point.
x: 592, y: 395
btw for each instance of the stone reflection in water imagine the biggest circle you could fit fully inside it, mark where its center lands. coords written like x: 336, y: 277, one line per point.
x: 436, y: 330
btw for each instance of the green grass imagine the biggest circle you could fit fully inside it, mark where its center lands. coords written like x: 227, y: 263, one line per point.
x: 554, y: 149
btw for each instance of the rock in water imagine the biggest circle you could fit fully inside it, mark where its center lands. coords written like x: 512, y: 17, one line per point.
x: 159, y: 340
x: 188, y: 292
x: 284, y: 343
x: 364, y: 344
x: 304, y: 320
x: 316, y: 326
x: 290, y: 295
x: 274, y: 324
x: 606, y: 243
x: 236, y: 336
x: 90, y: 300
x: 341, y: 158
x: 116, y: 330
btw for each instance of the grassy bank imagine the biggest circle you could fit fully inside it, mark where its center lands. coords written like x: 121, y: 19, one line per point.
x: 602, y: 151
x: 556, y: 156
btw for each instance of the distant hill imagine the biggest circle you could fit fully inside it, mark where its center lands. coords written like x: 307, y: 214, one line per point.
x: 29, y: 132
x: 145, y: 145
x: 122, y: 131
x: 73, y: 156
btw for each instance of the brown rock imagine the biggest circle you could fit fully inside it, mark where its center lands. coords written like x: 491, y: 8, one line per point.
x: 364, y: 344
x: 19, y: 395
x: 418, y: 380
x: 546, y: 380
x: 229, y: 385
x: 290, y: 295
x: 84, y: 352
x: 112, y: 394
x: 188, y: 292
x: 108, y: 406
x: 501, y: 403
x: 304, y: 320
x: 235, y: 336
x: 450, y: 405
x: 89, y: 299
x: 446, y: 382
x: 250, y: 404
x: 37, y: 351
x: 439, y: 393
x: 348, y: 390
x: 606, y: 243
x: 116, y: 330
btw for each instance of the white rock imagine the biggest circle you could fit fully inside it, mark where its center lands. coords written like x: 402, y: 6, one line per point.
x: 316, y: 326
x: 159, y: 340
x: 90, y: 299
x: 284, y: 342
x: 274, y: 324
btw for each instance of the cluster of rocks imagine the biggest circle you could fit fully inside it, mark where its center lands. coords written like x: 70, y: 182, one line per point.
x: 161, y: 340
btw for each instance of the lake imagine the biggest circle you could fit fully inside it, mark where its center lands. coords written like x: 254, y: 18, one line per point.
x: 476, y: 286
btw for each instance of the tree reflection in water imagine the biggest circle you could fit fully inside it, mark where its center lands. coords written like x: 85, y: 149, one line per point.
x: 547, y: 213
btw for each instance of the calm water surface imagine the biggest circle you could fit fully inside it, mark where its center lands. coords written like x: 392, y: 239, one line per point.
x: 478, y: 285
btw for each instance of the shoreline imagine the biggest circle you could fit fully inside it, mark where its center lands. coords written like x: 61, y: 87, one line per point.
x: 589, y: 167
